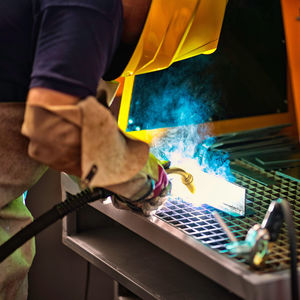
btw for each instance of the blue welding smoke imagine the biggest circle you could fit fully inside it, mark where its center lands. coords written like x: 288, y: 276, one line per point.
x: 193, y: 143
x: 184, y: 94
x: 179, y: 98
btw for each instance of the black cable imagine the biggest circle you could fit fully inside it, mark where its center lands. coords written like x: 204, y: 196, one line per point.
x: 287, y: 213
x: 72, y: 203
x: 87, y: 280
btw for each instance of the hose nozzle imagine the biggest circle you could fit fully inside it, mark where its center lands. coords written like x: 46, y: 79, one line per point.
x: 186, y: 178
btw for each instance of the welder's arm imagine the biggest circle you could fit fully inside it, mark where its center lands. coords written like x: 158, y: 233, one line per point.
x: 71, y: 136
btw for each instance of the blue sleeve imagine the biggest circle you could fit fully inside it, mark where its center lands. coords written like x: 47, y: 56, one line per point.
x: 75, y: 45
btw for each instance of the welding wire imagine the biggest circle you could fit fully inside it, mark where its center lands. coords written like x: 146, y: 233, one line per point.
x: 224, y: 226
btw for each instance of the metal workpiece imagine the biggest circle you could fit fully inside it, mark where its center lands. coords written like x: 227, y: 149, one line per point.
x: 193, y: 236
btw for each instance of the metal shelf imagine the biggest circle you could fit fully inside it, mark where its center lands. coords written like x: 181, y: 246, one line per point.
x: 142, y: 267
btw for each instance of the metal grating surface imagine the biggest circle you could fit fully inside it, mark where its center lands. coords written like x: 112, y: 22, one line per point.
x: 199, y: 223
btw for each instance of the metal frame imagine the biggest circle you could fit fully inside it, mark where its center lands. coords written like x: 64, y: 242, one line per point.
x: 146, y: 270
x: 232, y: 275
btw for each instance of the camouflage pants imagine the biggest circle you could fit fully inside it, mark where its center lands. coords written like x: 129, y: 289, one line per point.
x: 17, y: 174
x: 14, y: 269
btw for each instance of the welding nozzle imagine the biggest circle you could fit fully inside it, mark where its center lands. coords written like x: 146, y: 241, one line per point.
x: 186, y: 178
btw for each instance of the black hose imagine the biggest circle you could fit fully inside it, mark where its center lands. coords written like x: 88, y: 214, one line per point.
x: 288, y: 218
x: 72, y: 203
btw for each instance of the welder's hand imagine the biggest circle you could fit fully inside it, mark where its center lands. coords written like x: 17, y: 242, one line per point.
x: 151, y: 187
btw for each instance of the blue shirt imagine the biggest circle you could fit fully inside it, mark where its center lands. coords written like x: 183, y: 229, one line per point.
x: 65, y: 45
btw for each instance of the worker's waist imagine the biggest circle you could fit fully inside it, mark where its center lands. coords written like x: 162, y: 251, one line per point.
x: 12, y: 92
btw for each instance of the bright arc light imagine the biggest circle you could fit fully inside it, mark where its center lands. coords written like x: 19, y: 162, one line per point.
x: 209, y: 189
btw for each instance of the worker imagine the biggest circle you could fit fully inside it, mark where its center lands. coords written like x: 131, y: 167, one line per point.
x: 52, y: 55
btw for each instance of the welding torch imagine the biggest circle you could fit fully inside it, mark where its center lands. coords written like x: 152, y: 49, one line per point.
x: 186, y: 178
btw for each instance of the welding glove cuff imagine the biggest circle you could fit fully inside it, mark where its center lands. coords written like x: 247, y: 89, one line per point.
x: 151, y: 196
x: 146, y: 186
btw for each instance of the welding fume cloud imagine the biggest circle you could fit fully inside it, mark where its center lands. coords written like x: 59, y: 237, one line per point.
x: 212, y: 185
x: 188, y: 149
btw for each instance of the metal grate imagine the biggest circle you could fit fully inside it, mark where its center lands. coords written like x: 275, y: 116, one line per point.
x: 199, y: 223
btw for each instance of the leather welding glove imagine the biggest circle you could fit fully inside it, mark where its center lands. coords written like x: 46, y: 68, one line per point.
x: 74, y: 138
x: 151, y: 185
